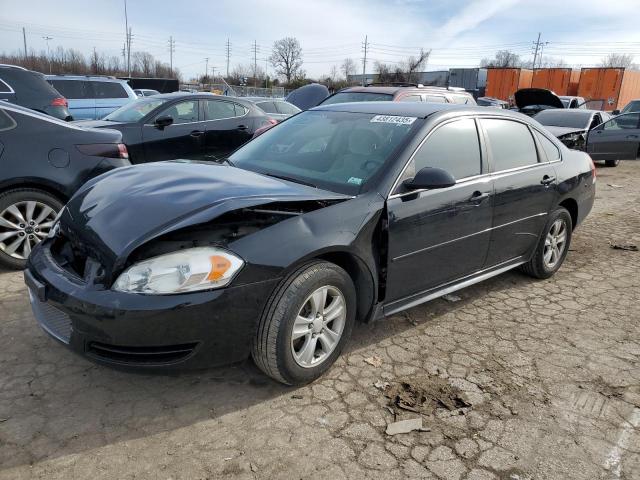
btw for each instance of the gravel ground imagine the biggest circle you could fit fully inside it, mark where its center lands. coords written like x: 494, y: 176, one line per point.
x: 545, y: 375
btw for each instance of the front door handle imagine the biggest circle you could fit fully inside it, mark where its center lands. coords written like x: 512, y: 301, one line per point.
x: 197, y: 133
x: 478, y: 197
x: 631, y: 137
x: 547, y: 180
x: 243, y: 127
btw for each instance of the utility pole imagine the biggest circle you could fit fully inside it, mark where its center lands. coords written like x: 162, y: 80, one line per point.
x: 266, y: 77
x: 206, y: 68
x: 213, y: 74
x: 24, y: 39
x: 46, y: 39
x: 127, y: 32
x: 172, y: 47
x: 538, y: 46
x: 228, y: 55
x: 364, y: 60
x: 255, y: 63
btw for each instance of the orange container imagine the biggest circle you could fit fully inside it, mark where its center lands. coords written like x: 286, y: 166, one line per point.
x: 502, y: 83
x: 614, y: 86
x: 562, y: 81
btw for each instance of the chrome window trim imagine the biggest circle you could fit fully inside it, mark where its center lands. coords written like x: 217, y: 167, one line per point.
x: 12, y: 121
x: 11, y: 90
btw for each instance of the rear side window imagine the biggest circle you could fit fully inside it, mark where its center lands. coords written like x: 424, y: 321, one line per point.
x: 411, y: 98
x: 219, y: 110
x: 511, y: 144
x: 436, y: 99
x: 4, y: 88
x: 108, y: 90
x: 453, y: 147
x: 6, y: 122
x: 552, y: 152
x: 267, y: 107
x: 286, y: 108
x: 72, y: 89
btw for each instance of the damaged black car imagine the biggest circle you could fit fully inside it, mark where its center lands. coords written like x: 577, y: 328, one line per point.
x: 343, y: 213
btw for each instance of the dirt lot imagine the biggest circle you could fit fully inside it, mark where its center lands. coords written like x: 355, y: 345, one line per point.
x: 541, y: 381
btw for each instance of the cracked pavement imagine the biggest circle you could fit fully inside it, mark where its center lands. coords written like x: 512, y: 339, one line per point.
x: 551, y: 370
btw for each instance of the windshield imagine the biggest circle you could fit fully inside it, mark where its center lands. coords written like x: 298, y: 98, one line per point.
x: 337, y: 151
x: 136, y: 110
x: 560, y: 118
x: 348, y: 97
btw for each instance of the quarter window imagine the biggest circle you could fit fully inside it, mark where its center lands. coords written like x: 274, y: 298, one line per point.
x: 511, y: 144
x: 411, y: 98
x: 267, y: 107
x: 453, y: 147
x: 6, y: 122
x: 552, y: 152
x: 72, y: 89
x: 108, y: 90
x: 436, y: 99
x: 183, y: 112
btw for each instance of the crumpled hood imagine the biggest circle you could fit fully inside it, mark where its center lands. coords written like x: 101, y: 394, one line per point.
x: 117, y: 212
x: 537, y: 96
x: 560, y: 131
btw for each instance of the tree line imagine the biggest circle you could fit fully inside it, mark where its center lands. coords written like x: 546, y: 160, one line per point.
x: 72, y: 61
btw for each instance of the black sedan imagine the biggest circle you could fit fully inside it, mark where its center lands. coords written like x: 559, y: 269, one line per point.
x: 183, y: 125
x: 571, y: 125
x: 342, y: 213
x: 44, y: 161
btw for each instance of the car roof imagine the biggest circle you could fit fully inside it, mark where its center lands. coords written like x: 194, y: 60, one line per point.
x: 393, y: 89
x: 569, y: 111
x: 411, y: 109
x: 95, y: 78
x: 200, y: 95
x: 263, y: 99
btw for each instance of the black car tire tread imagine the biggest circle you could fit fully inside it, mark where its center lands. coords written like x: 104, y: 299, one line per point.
x: 612, y: 163
x: 268, y: 346
x: 535, y: 266
x: 22, y: 194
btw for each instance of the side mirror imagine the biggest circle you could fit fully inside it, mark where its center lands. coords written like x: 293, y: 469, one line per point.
x: 616, y: 112
x: 431, y: 178
x: 163, y: 121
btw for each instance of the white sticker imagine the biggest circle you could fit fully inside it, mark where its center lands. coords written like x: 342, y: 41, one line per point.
x: 393, y: 119
x: 354, y: 180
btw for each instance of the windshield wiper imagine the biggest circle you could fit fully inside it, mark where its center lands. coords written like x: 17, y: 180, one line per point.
x: 291, y: 179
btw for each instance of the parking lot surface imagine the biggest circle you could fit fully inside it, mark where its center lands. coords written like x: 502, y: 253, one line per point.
x: 546, y: 376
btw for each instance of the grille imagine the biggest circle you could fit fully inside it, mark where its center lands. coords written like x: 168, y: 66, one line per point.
x: 141, y: 355
x: 53, y: 321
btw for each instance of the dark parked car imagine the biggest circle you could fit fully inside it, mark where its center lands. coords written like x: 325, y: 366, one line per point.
x: 183, y: 125
x: 616, y: 139
x: 400, y: 93
x: 571, y: 125
x: 533, y: 100
x: 30, y: 89
x: 275, y: 108
x: 492, y: 102
x: 341, y: 213
x: 44, y: 161
x: 632, y: 107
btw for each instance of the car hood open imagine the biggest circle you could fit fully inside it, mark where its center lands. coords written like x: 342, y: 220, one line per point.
x: 121, y: 210
x: 537, y: 96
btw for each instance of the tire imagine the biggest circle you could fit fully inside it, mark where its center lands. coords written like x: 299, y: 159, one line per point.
x: 538, y: 266
x: 283, y: 358
x: 14, y: 255
x: 612, y: 163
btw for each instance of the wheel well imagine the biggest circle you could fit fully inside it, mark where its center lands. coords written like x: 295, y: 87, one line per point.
x: 36, y: 186
x: 572, y: 207
x: 361, y: 277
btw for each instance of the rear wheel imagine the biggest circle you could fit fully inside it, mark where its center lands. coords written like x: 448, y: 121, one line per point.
x: 612, y: 163
x: 306, y: 324
x: 552, y: 247
x: 26, y: 216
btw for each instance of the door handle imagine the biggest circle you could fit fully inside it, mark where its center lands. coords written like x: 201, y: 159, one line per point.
x: 197, y: 133
x: 478, y: 197
x: 630, y: 137
x: 547, y: 180
x: 243, y: 127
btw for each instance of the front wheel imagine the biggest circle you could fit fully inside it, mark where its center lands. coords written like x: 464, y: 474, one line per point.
x: 612, y: 163
x: 26, y: 215
x: 552, y: 247
x: 306, y: 324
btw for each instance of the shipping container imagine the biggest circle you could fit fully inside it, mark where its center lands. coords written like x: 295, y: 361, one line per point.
x: 502, y: 83
x: 614, y: 86
x: 439, y: 78
x: 473, y: 80
x: 561, y: 81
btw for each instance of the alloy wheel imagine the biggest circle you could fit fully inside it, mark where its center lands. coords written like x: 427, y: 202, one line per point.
x: 318, y: 326
x: 555, y: 243
x: 23, y: 225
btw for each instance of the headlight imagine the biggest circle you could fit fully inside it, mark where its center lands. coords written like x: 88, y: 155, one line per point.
x: 187, y: 270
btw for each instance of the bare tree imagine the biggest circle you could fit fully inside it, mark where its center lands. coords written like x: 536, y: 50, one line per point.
x: 503, y: 59
x: 333, y: 74
x: 620, y: 60
x: 414, y: 64
x: 348, y: 68
x: 286, y: 58
x: 143, y: 63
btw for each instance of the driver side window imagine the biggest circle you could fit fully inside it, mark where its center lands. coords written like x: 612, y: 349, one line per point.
x: 623, y: 122
x: 182, y: 112
x: 454, y: 147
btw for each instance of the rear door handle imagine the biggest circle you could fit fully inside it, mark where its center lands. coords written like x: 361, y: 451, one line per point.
x: 547, y: 180
x: 478, y: 197
x: 197, y: 133
x: 630, y: 137
x: 243, y: 127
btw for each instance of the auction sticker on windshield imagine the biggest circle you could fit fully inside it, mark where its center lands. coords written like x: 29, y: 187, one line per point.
x: 393, y: 119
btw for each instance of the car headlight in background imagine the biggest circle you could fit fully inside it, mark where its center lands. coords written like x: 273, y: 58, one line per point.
x: 572, y: 139
x: 188, y: 270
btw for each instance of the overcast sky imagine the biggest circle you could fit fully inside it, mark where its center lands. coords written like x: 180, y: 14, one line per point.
x: 459, y: 33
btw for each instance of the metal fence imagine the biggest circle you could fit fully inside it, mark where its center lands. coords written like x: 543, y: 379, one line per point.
x: 235, y: 90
